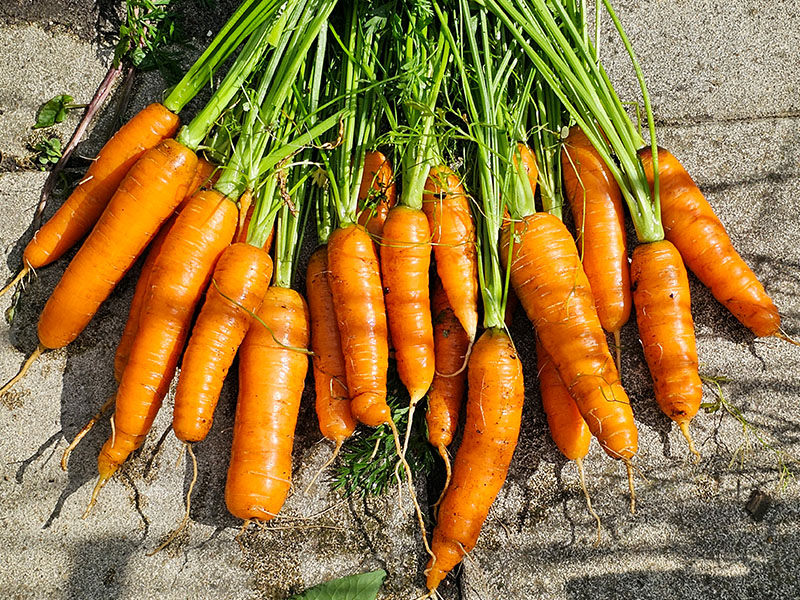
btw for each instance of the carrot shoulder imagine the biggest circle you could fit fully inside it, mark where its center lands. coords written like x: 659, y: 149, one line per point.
x: 377, y: 193
x: 691, y: 225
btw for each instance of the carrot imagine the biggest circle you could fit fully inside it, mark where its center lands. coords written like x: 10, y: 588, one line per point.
x: 332, y: 400
x: 179, y: 276
x: 354, y: 279
x: 663, y: 314
x: 405, y: 261
x: 567, y: 427
x: 377, y: 193
x: 596, y: 203
x: 691, y: 225
x: 552, y: 287
x: 239, y: 283
x: 271, y: 376
x: 453, y: 238
x: 528, y: 159
x: 494, y: 413
x: 86, y: 203
x: 451, y: 344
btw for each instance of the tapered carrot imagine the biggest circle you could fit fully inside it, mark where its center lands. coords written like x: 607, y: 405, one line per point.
x: 596, y: 203
x: 179, y: 276
x: 663, y: 314
x: 377, y: 193
x: 330, y: 379
x: 272, y: 370
x: 86, y: 203
x: 494, y: 412
x: 552, y: 287
x: 691, y: 225
x: 446, y: 205
x: 451, y: 344
x: 238, y: 286
x: 354, y: 279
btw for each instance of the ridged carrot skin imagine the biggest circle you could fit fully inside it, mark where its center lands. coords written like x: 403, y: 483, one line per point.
x: 663, y: 314
x: 179, y: 277
x: 405, y: 262
x: 446, y: 395
x: 595, y: 201
x: 355, y: 282
x: 271, y: 377
x: 83, y: 208
x: 552, y: 287
x: 202, y: 175
x: 330, y: 379
x: 698, y: 234
x: 452, y: 227
x: 147, y: 196
x: 567, y: 427
x: 377, y: 193
x: 240, y: 281
x: 491, y: 430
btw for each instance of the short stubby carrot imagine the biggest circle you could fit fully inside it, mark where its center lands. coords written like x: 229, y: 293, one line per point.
x: 332, y: 400
x: 405, y: 262
x: 549, y: 280
x: 446, y: 205
x: 87, y: 202
x: 698, y: 234
x: 377, y: 193
x: 663, y: 314
x: 596, y: 204
x: 272, y: 371
x: 178, y: 279
x: 240, y: 281
x: 355, y: 282
x: 147, y: 196
x: 494, y: 413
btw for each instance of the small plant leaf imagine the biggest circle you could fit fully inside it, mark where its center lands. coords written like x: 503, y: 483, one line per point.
x: 53, y: 111
x: 364, y: 586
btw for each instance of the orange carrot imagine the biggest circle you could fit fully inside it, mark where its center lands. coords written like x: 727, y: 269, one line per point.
x: 354, y: 279
x: 552, y: 287
x: 454, y: 244
x: 405, y: 261
x: 691, y: 225
x: 596, y: 203
x: 179, y: 276
x: 528, y: 160
x: 86, y: 203
x: 332, y: 400
x: 494, y: 412
x: 377, y: 193
x: 153, y: 188
x: 239, y: 283
x: 663, y: 314
x: 272, y: 371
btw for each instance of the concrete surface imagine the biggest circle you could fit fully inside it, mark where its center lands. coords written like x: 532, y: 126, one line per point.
x: 725, y: 96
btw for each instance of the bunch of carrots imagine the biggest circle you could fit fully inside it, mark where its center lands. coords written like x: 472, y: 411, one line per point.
x: 301, y: 126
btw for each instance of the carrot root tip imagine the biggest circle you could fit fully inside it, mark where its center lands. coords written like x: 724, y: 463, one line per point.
x: 82, y: 433
x: 684, y: 427
x: 22, y: 370
x: 101, y: 481
x: 631, y: 488
x: 17, y: 278
x: 780, y: 335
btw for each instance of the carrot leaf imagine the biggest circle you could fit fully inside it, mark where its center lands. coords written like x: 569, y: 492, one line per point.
x: 363, y: 586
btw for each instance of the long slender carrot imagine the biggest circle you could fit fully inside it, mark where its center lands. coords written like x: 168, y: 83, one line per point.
x: 272, y: 372
x: 596, y: 203
x: 494, y: 412
x: 240, y: 281
x: 330, y: 378
x: 446, y: 205
x: 354, y: 279
x: 698, y: 234
x: 377, y: 193
x: 552, y: 287
x: 86, y: 203
x: 179, y: 276
x: 663, y: 314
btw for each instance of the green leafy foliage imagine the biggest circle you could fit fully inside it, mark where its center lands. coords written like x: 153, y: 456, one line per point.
x: 145, y: 36
x: 53, y: 111
x: 364, y: 586
x: 369, y: 457
x: 47, y: 152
